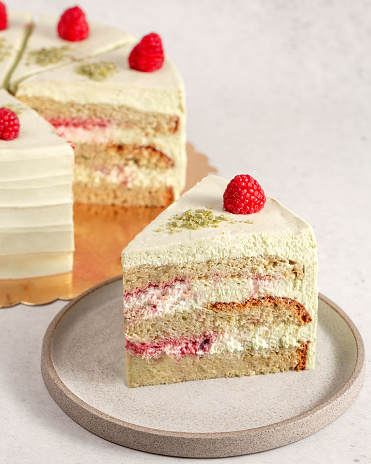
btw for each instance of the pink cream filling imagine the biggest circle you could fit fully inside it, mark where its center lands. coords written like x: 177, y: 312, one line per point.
x: 154, y: 300
x: 178, y: 348
x: 118, y: 175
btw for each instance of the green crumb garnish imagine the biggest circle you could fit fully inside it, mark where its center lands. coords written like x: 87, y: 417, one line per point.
x: 194, y: 220
x: 97, y: 71
x: 4, y: 49
x: 46, y: 56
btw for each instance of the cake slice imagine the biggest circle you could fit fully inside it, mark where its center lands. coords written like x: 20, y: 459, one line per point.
x: 45, y: 50
x: 12, y: 40
x: 127, y: 126
x: 209, y: 294
x: 36, y: 205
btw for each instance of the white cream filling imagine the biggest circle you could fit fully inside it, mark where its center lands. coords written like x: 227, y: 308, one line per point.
x: 129, y: 175
x: 189, y: 296
x: 263, y: 338
x: 169, y: 144
x: 172, y: 145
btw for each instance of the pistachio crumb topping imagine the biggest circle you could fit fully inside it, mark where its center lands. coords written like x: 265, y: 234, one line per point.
x: 98, y: 71
x: 195, y: 220
x: 4, y: 49
x: 46, y: 56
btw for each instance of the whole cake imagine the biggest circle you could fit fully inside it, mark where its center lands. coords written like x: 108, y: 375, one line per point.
x: 36, y: 205
x: 209, y: 293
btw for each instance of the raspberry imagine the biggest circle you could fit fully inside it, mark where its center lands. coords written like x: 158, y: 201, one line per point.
x: 9, y: 124
x: 3, y: 17
x: 148, y: 54
x: 73, y: 25
x: 243, y: 195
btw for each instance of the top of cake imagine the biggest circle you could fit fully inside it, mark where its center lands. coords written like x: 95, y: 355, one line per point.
x: 273, y: 230
x: 11, y: 41
x: 46, y: 50
x: 108, y: 78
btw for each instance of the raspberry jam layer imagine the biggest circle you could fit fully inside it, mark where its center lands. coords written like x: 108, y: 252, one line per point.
x: 89, y: 123
x: 178, y: 348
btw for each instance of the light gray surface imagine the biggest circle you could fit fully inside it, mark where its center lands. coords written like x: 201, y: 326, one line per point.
x: 280, y: 90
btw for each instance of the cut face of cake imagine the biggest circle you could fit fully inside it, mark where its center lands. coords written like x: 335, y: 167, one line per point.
x: 36, y: 205
x: 45, y: 50
x: 12, y: 40
x: 127, y: 126
x: 210, y: 294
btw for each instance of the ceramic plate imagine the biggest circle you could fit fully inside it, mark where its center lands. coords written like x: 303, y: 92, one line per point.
x: 83, y: 367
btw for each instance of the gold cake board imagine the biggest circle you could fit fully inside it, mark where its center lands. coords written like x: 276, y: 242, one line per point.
x: 101, y: 232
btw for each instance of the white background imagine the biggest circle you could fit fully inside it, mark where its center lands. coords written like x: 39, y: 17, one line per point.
x: 280, y: 90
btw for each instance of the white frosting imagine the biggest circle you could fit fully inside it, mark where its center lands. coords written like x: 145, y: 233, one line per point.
x: 36, y: 206
x: 35, y: 265
x: 58, y: 238
x: 101, y: 39
x: 160, y: 91
x: 12, y: 40
x: 31, y: 196
x: 275, y: 231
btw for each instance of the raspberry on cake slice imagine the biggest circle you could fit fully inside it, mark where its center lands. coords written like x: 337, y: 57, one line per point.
x: 3, y: 17
x: 210, y: 293
x: 9, y: 124
x: 73, y: 25
x: 148, y: 54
